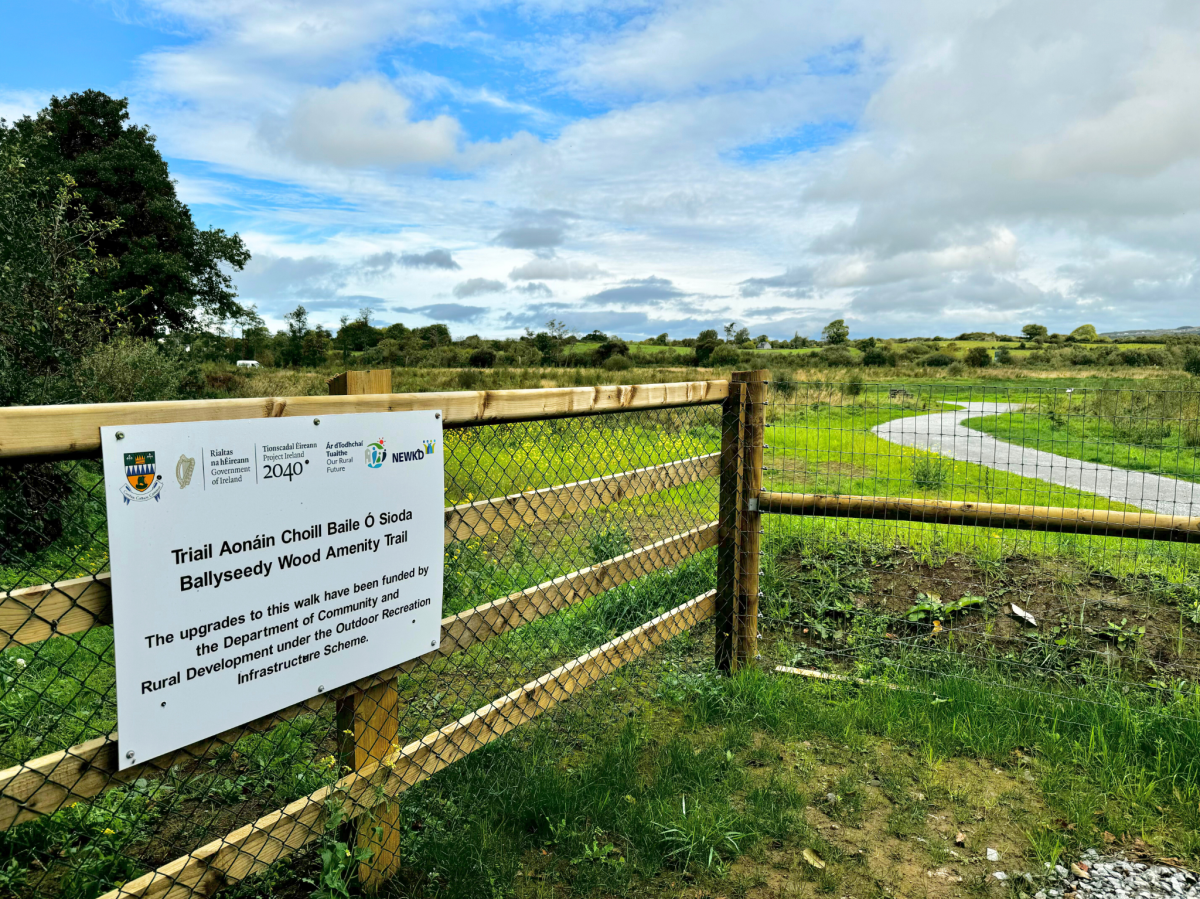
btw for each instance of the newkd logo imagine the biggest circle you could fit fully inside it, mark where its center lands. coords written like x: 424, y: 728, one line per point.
x: 375, y: 454
x: 414, y: 455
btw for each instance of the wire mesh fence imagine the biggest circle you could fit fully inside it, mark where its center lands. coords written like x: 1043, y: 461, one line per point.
x: 572, y: 547
x: 967, y: 542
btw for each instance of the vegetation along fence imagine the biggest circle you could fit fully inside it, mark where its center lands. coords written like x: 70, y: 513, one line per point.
x: 940, y: 542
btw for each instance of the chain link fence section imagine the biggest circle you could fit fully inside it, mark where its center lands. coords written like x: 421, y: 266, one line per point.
x: 573, y: 546
x: 953, y: 540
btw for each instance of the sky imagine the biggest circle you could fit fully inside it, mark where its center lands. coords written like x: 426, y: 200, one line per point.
x: 916, y: 168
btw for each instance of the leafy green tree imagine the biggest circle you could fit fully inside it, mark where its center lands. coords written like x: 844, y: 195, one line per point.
x: 1035, y: 332
x: 166, y: 274
x: 706, y: 343
x: 978, y: 357
x: 305, y: 344
x: 48, y: 259
x: 836, y: 333
x: 1085, y: 333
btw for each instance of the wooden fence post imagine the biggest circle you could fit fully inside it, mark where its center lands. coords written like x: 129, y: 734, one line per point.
x: 749, y: 521
x: 728, y: 535
x: 367, y: 722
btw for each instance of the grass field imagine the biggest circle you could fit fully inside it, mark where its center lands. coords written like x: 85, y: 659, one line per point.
x: 668, y: 779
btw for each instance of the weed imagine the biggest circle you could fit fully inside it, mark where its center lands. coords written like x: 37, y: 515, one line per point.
x: 930, y: 472
x: 930, y: 606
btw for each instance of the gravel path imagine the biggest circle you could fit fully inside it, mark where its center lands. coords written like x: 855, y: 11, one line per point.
x: 945, y: 433
x: 1118, y: 878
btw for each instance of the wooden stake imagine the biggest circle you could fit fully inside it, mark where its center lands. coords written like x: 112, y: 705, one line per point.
x: 728, y: 535
x: 367, y: 722
x: 746, y: 648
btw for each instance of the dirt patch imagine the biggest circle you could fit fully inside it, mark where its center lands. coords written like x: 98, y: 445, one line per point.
x: 1081, y: 615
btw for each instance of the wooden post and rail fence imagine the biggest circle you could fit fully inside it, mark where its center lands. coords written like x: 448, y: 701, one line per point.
x: 367, y: 711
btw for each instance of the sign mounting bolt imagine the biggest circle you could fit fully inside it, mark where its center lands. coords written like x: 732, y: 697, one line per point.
x: 120, y: 435
x: 437, y: 414
x: 321, y: 689
x: 316, y: 421
x: 129, y: 755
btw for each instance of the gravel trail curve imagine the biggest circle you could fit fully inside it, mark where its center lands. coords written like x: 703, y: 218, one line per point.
x: 945, y: 433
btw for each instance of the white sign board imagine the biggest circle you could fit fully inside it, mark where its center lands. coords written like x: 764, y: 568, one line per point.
x: 257, y: 563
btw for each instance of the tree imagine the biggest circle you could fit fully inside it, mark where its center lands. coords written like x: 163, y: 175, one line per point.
x: 706, y: 343
x: 661, y: 339
x: 1085, y: 333
x: 836, y: 333
x: 729, y: 331
x: 978, y: 357
x: 596, y: 336
x: 48, y: 258
x: 305, y: 345
x: 1035, y: 332
x: 167, y: 274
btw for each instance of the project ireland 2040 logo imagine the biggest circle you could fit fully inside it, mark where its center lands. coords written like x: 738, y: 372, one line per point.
x: 141, y: 482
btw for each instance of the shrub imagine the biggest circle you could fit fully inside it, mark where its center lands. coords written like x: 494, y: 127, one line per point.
x: 854, y: 384
x: 783, y: 383
x: 610, y: 348
x: 879, y: 356
x: 938, y: 360
x: 836, y: 357
x: 482, y: 358
x: 130, y: 370
x: 617, y: 363
x: 978, y: 357
x: 956, y: 369
x: 1191, y: 362
x: 1004, y: 356
x: 723, y: 355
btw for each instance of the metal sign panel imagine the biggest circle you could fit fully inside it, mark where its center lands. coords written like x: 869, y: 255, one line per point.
x: 257, y: 563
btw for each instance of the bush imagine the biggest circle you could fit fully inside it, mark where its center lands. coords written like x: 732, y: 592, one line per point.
x: 1191, y: 362
x: 836, y: 357
x: 854, y: 385
x: 978, y: 357
x: 724, y: 355
x: 482, y: 358
x: 879, y: 356
x: 1004, y: 356
x: 956, y: 369
x: 783, y: 383
x: 617, y: 363
x: 938, y: 360
x: 610, y: 348
x: 130, y: 370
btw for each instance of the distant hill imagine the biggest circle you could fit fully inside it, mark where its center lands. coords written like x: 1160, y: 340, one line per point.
x: 1154, y: 332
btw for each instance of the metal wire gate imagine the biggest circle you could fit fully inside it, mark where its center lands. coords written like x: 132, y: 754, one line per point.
x: 961, y: 541
x: 579, y: 535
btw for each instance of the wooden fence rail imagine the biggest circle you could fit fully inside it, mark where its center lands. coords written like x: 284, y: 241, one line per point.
x: 1103, y: 523
x: 73, y: 431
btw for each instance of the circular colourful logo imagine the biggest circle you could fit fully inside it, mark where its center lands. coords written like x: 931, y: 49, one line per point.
x: 375, y: 454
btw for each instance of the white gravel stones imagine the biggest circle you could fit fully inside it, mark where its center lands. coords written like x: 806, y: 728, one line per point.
x: 1118, y: 878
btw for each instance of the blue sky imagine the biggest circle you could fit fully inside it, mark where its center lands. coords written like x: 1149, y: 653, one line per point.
x: 919, y: 168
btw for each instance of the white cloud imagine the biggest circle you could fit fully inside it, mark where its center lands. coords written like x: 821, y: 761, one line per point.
x: 556, y: 269
x: 362, y: 124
